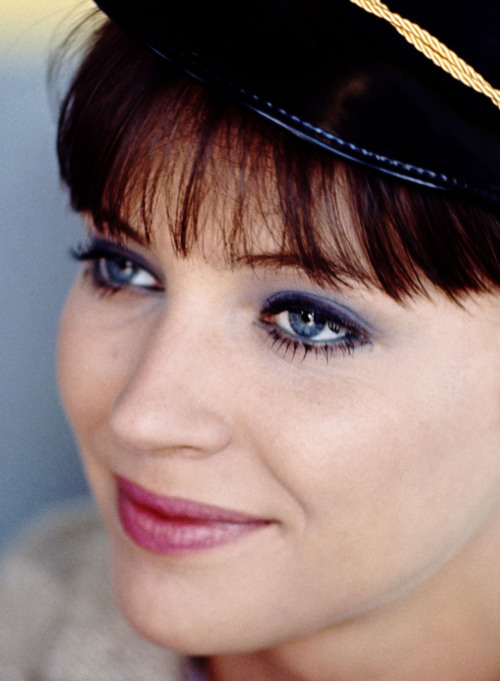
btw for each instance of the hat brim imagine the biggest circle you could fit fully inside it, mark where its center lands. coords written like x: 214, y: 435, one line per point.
x: 336, y: 76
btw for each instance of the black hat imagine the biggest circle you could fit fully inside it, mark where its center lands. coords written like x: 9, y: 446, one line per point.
x: 408, y: 88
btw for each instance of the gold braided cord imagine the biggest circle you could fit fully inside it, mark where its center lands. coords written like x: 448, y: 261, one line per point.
x: 433, y: 49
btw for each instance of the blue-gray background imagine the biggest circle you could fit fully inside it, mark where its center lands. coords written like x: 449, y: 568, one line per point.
x: 38, y: 462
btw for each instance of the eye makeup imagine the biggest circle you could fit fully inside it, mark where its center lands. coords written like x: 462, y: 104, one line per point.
x: 113, y: 267
x: 303, y: 323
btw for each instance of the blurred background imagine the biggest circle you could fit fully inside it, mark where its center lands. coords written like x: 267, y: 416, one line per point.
x: 38, y: 462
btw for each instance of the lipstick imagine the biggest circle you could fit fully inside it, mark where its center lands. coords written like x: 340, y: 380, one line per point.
x: 169, y: 525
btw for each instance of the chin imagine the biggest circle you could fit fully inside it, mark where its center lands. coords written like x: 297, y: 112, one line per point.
x: 172, y: 609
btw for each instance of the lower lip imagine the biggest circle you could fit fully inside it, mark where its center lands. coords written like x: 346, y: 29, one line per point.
x: 169, y: 526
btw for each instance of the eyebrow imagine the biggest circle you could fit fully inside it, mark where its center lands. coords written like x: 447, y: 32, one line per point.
x: 331, y: 274
x: 269, y: 260
x: 287, y: 260
x: 111, y: 225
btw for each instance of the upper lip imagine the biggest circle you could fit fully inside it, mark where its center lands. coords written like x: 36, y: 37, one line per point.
x: 175, y: 507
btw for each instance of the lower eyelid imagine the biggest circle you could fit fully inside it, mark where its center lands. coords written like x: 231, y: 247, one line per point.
x: 295, y: 350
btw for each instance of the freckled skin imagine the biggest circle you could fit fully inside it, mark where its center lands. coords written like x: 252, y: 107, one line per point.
x: 379, y: 470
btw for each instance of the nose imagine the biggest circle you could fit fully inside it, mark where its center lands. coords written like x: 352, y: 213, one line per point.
x: 173, y: 397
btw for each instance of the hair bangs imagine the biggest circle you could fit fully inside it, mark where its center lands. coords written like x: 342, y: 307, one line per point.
x: 138, y: 139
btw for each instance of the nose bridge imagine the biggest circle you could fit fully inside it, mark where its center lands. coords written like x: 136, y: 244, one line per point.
x: 172, y: 398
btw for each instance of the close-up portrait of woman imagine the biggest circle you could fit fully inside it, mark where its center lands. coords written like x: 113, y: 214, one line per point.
x: 280, y: 357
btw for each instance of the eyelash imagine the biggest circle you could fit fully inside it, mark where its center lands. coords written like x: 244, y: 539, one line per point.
x: 308, y: 308
x: 99, y: 254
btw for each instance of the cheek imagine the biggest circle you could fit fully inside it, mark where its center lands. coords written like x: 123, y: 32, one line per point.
x: 79, y: 364
x: 92, y: 367
x: 91, y: 364
x: 394, y: 480
x: 415, y: 428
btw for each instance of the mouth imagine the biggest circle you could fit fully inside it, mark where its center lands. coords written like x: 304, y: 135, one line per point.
x: 170, y: 525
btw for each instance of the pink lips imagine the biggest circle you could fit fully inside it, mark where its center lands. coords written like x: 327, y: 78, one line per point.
x: 169, y: 525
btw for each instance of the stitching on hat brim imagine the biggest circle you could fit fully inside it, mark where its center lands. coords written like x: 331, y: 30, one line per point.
x: 323, y: 138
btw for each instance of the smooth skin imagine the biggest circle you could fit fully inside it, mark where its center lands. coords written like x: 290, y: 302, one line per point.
x: 379, y: 469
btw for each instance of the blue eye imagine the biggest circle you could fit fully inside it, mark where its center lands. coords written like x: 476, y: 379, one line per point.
x: 310, y: 325
x: 120, y: 272
x: 114, y: 268
x: 299, y: 321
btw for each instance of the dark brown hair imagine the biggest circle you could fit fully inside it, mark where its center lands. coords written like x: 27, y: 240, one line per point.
x: 134, y: 133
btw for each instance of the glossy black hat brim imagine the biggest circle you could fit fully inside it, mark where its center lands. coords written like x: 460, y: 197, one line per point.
x: 338, y: 77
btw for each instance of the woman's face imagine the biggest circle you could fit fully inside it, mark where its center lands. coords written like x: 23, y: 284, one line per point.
x: 338, y: 451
